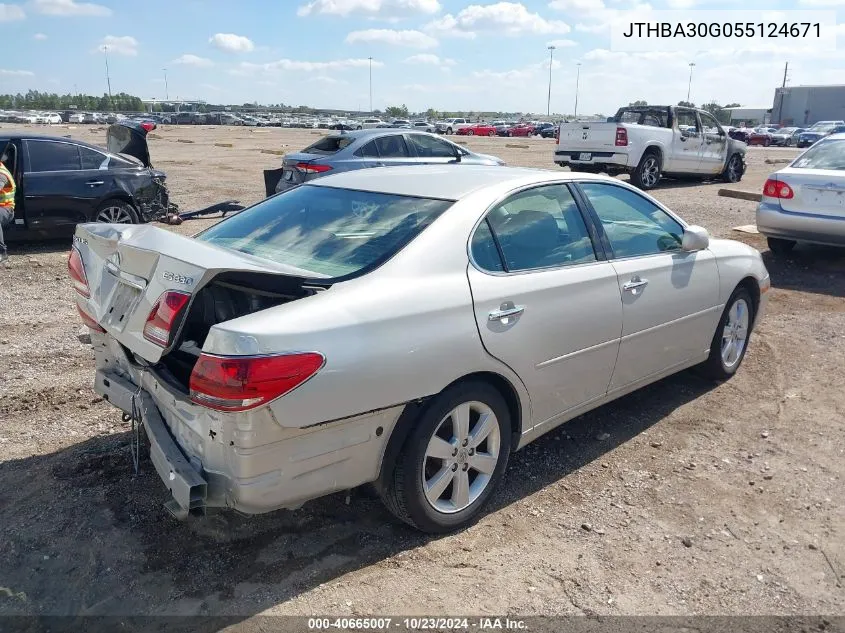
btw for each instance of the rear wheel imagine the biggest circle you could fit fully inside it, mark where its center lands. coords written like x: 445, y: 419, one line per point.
x: 780, y: 247
x: 491, y: 133
x: 730, y: 341
x: 452, y: 460
x: 647, y: 174
x: 117, y: 212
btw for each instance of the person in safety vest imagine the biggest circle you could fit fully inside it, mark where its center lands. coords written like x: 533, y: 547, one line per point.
x: 7, y: 205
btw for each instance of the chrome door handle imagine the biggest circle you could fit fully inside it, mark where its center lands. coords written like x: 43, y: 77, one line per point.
x: 506, y: 310
x: 95, y: 183
x: 636, y: 282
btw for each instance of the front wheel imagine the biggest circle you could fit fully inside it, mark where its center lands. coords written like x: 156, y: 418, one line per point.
x: 733, y: 170
x: 470, y: 133
x: 452, y: 460
x: 117, y: 212
x: 647, y: 174
x: 727, y: 349
x: 491, y: 133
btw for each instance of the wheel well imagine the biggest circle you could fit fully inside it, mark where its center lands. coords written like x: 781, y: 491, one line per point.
x: 405, y: 423
x: 119, y: 197
x: 654, y: 149
x: 753, y: 288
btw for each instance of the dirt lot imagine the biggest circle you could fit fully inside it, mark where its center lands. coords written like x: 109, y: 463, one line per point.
x: 701, y: 498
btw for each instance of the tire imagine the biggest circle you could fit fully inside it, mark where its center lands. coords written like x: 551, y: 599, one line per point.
x: 733, y: 170
x: 116, y: 212
x: 780, y: 247
x: 730, y: 341
x: 448, y: 130
x: 358, y: 128
x: 647, y: 174
x: 766, y: 143
x: 404, y: 493
x: 470, y: 133
x: 491, y: 133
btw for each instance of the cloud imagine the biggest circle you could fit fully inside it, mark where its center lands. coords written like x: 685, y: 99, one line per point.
x: 232, y: 43
x: 412, y: 39
x: 370, y: 8
x: 39, y: 36
x: 822, y: 3
x: 66, y: 8
x: 119, y: 45
x: 248, y: 68
x: 328, y: 81
x: 576, y: 5
x: 193, y: 60
x: 16, y: 73
x: 562, y: 43
x: 597, y: 18
x: 430, y: 59
x: 11, y: 12
x: 507, y: 18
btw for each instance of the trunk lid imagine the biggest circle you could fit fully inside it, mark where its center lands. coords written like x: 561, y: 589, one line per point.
x: 129, y: 267
x: 816, y: 191
x: 587, y: 136
x: 130, y: 138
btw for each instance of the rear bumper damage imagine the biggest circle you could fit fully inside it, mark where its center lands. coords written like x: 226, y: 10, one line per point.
x: 248, y: 461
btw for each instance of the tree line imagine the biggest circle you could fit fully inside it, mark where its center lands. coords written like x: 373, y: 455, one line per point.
x: 36, y: 100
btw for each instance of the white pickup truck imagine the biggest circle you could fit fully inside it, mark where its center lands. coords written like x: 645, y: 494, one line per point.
x: 648, y: 142
x: 450, y: 126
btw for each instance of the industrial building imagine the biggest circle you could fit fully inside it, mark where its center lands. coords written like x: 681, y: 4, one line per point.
x: 804, y: 105
x: 750, y: 116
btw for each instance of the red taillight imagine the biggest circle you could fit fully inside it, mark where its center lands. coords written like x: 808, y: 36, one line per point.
x: 76, y: 270
x: 621, y: 137
x: 313, y: 168
x: 148, y: 126
x: 238, y: 383
x: 163, y: 318
x: 557, y: 135
x: 774, y: 188
x: 88, y: 320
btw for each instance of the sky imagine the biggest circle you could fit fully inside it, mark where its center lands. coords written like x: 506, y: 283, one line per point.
x: 456, y: 55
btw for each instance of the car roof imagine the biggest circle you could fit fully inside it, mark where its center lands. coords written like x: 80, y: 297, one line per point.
x: 445, y: 182
x: 23, y: 136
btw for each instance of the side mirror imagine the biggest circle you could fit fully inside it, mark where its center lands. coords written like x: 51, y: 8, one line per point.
x: 696, y: 238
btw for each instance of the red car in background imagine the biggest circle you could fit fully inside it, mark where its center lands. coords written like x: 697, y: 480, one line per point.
x: 477, y: 129
x: 522, y: 129
x: 760, y: 136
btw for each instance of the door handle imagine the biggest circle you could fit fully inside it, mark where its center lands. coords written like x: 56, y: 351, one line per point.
x: 507, y: 309
x: 95, y: 183
x: 635, y: 284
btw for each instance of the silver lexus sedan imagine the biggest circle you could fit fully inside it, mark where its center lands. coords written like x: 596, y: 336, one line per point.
x: 409, y: 327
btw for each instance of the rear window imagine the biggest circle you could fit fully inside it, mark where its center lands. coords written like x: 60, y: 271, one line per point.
x: 652, y: 117
x: 329, y: 145
x: 328, y: 231
x: 827, y: 154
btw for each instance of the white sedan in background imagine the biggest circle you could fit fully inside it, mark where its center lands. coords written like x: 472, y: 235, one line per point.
x: 805, y: 201
x: 408, y: 326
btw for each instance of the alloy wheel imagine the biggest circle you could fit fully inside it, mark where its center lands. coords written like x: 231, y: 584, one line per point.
x: 461, y: 457
x: 735, y: 333
x: 734, y: 169
x: 114, y: 215
x: 651, y: 172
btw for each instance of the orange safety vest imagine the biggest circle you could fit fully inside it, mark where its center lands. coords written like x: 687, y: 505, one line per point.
x: 7, y: 192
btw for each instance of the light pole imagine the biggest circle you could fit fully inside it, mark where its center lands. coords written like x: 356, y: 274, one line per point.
x: 108, y: 79
x: 689, y: 85
x: 371, y: 84
x: 549, y: 101
x: 166, y: 91
x: 577, y: 84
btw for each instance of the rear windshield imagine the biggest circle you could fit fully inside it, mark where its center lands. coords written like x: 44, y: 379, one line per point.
x: 333, y: 232
x: 329, y: 145
x: 827, y: 154
x: 655, y: 117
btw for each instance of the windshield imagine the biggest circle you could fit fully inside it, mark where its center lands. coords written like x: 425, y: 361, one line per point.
x: 824, y: 128
x: 333, y: 232
x: 826, y: 154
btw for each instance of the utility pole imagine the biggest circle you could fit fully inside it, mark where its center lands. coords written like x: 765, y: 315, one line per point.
x: 371, y: 84
x: 108, y: 79
x: 785, y: 69
x: 689, y: 85
x: 166, y: 91
x: 577, y: 82
x: 782, y: 93
x: 549, y: 101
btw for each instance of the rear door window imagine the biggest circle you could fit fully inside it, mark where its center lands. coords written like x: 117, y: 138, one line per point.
x: 392, y: 146
x: 53, y: 156
x: 368, y: 151
x: 431, y: 146
x: 92, y: 159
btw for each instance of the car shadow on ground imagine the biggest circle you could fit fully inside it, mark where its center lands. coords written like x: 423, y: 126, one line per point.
x: 28, y: 248
x: 85, y: 536
x: 809, y: 268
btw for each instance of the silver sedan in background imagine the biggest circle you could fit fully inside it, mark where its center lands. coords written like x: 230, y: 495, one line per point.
x: 805, y: 201
x: 405, y: 326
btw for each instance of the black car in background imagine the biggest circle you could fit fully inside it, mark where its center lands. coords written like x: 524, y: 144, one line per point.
x: 64, y: 182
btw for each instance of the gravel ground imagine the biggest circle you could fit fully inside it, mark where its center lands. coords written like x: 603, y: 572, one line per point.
x: 684, y: 498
